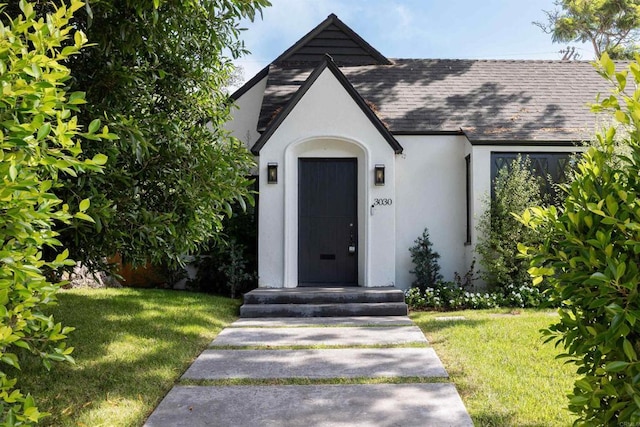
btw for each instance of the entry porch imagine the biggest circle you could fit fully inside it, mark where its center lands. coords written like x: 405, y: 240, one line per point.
x: 324, y: 301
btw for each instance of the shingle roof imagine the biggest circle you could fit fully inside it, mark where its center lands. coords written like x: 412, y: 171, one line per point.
x: 489, y: 100
x: 327, y: 64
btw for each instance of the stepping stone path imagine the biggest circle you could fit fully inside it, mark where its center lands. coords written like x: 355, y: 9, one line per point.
x: 357, y: 335
x: 391, y: 350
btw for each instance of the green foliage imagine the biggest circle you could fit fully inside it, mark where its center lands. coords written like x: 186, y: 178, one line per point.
x: 609, y: 25
x: 467, y: 281
x: 157, y: 73
x: 425, y: 259
x: 590, y: 255
x: 516, y: 189
x: 460, y: 294
x: 234, y: 269
x: 451, y: 296
x: 39, y: 141
x: 231, y: 268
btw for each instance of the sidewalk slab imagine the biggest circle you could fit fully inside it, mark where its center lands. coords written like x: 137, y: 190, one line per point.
x: 325, y: 363
x: 279, y: 322
x: 356, y: 335
x: 364, y: 405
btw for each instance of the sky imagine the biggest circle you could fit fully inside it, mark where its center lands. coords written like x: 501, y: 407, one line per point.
x: 452, y: 29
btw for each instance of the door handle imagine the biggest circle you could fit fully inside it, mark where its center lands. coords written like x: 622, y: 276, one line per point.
x: 352, y: 243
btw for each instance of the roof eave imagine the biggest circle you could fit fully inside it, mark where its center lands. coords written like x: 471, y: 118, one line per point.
x: 528, y: 142
x: 426, y: 132
x: 547, y: 142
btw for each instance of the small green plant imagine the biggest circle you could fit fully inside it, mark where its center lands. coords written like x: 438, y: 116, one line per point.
x: 466, y: 281
x: 234, y: 269
x: 590, y: 255
x: 425, y: 259
x: 516, y: 189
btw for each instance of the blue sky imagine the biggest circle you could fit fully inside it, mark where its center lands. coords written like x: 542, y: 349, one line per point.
x: 470, y: 29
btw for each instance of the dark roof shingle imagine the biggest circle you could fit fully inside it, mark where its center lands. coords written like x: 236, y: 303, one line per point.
x: 489, y: 100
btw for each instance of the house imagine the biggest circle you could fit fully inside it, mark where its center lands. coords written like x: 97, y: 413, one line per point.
x: 357, y: 153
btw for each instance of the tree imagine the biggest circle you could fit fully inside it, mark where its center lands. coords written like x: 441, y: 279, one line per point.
x: 609, y: 25
x: 425, y: 259
x: 156, y: 73
x: 39, y: 146
x: 516, y: 189
x: 236, y: 78
x: 590, y: 255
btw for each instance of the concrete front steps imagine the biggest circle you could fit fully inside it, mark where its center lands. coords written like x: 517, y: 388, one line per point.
x: 324, y: 302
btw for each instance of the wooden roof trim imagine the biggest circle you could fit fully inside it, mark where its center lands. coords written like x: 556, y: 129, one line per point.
x: 327, y: 63
x: 565, y: 142
x: 426, y: 132
x: 526, y: 143
x: 251, y: 83
x: 332, y: 19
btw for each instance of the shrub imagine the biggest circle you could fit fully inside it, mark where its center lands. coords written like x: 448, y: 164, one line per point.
x: 516, y: 189
x: 466, y: 281
x: 450, y: 296
x: 230, y: 268
x: 38, y: 146
x: 234, y: 269
x: 425, y: 259
x: 590, y: 255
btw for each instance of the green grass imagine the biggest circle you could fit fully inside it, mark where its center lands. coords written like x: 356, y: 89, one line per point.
x: 504, y: 372
x: 131, y: 347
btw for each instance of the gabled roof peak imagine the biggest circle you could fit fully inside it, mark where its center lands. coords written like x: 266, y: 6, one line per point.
x: 332, y: 37
x: 365, y: 107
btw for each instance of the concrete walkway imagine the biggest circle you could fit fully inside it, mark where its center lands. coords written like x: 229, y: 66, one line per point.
x: 392, y: 351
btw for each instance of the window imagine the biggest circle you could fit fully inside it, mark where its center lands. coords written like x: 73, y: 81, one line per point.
x: 550, y: 168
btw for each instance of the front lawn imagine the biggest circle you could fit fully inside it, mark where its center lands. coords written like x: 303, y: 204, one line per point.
x: 503, y: 371
x: 131, y: 347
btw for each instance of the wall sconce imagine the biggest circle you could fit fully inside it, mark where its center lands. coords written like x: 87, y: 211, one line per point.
x: 378, y: 175
x: 272, y: 173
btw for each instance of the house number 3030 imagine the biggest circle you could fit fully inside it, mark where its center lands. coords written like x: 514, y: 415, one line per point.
x: 382, y: 202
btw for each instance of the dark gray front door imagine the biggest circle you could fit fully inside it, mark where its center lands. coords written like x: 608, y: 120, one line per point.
x: 327, y: 222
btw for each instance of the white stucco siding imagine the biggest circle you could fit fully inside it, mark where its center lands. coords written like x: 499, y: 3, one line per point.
x: 431, y: 193
x: 245, y: 114
x: 326, y: 122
